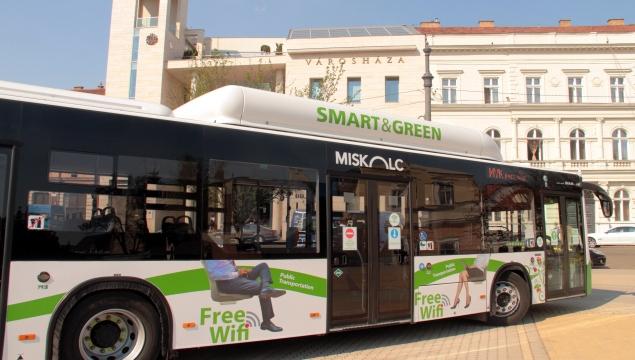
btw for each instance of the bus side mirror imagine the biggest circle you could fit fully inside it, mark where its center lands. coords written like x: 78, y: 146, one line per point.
x: 605, y: 200
x: 607, y: 208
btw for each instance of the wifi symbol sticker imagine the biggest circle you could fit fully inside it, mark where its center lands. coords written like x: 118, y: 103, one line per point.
x: 252, y: 320
x: 445, y: 300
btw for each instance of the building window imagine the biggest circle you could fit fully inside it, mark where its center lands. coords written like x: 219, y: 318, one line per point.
x: 315, y: 88
x: 490, y: 90
x: 495, y: 135
x: 392, y: 89
x: 533, y: 90
x: 534, y: 145
x: 576, y: 144
x: 448, y: 87
x: 622, y: 204
x: 620, y: 145
x: 132, y: 86
x: 354, y: 90
x: 617, y: 89
x: 575, y: 89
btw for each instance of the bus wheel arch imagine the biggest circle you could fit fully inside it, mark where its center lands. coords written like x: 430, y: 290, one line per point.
x: 106, y: 287
x: 510, y: 295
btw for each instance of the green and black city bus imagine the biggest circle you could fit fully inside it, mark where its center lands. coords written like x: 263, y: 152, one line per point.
x: 115, y: 214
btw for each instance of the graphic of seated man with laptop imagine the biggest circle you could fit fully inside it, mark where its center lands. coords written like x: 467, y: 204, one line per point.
x: 229, y: 279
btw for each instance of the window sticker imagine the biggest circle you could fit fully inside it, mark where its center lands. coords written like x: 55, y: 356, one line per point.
x: 394, y: 238
x: 349, y: 238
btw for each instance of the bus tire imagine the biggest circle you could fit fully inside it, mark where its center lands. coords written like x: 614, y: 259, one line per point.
x: 510, y: 300
x: 112, y: 325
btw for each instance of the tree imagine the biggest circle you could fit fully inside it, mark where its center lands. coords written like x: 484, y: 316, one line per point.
x: 326, y: 88
x: 217, y: 71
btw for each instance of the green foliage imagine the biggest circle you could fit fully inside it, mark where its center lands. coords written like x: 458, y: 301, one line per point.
x: 190, y: 53
x: 217, y: 71
x: 328, y: 86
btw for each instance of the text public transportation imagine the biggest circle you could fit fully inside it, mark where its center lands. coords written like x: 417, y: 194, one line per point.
x: 130, y: 230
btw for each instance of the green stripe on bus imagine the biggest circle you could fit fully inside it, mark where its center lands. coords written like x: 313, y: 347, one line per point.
x: 298, y: 282
x: 448, y: 268
x: 197, y: 280
x: 33, y: 308
x: 494, y: 265
x: 589, y: 284
x: 181, y: 282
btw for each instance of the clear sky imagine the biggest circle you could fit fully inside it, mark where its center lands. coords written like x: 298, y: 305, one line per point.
x: 64, y: 43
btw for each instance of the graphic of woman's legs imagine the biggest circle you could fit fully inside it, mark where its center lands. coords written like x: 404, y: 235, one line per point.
x: 463, y: 282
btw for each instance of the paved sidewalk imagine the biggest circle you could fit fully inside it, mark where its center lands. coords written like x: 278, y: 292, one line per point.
x: 444, y: 339
x: 599, y: 326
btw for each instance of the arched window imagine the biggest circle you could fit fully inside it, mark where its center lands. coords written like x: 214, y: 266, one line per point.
x: 577, y: 144
x: 534, y: 145
x: 620, y: 145
x: 496, y: 135
x: 622, y: 205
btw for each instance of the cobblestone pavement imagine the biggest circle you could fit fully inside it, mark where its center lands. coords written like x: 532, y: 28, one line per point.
x: 580, y: 328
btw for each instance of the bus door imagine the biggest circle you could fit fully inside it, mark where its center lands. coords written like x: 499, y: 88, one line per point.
x: 564, y: 246
x: 5, y: 167
x: 5, y: 161
x: 370, y: 252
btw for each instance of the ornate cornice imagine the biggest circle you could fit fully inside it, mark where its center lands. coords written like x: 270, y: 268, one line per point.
x: 534, y: 48
x: 532, y: 107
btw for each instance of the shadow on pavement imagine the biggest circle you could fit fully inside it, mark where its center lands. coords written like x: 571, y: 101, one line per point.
x: 599, y: 297
x: 342, y: 342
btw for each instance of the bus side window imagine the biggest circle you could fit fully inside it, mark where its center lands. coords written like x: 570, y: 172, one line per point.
x: 259, y: 210
x: 107, y: 218
x: 509, y: 218
x: 448, y: 213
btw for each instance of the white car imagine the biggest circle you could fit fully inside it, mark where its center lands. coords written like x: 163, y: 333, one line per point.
x: 620, y: 235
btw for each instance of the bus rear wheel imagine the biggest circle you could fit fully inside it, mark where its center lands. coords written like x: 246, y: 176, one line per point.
x: 510, y: 301
x: 112, y: 326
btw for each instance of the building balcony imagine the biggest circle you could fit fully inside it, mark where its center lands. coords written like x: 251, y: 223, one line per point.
x: 575, y: 165
x: 147, y: 22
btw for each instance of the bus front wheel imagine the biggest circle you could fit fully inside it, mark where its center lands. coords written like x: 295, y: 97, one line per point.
x: 112, y: 326
x: 510, y: 301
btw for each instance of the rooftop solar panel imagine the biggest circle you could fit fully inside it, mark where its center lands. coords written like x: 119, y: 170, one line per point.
x: 320, y: 33
x: 394, y: 30
x: 378, y: 31
x: 300, y: 34
x: 352, y: 32
x: 358, y: 32
x: 339, y: 33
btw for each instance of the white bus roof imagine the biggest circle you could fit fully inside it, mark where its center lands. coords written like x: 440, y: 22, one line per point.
x: 253, y: 108
x: 264, y: 109
x: 32, y: 93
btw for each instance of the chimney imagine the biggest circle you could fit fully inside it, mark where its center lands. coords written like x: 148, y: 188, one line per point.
x: 565, y: 23
x: 486, y: 23
x: 615, y: 22
x: 431, y: 24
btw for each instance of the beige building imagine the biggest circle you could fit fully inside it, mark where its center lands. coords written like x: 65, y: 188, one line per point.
x: 559, y: 97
